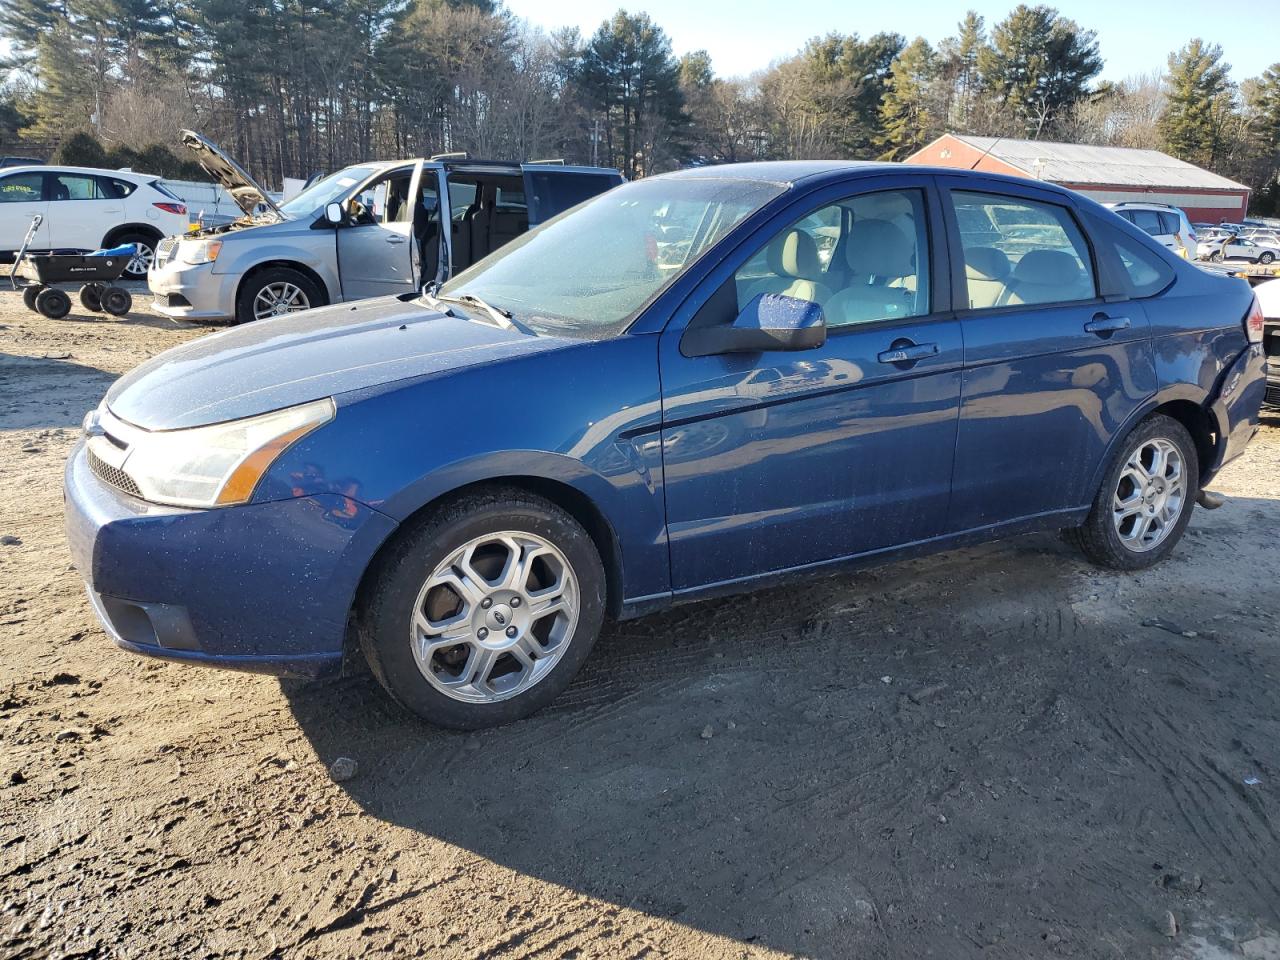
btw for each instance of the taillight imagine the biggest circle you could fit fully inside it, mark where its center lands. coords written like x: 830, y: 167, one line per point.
x: 1253, y: 322
x: 179, y: 208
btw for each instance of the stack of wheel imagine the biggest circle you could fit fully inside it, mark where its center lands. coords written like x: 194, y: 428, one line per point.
x: 94, y: 297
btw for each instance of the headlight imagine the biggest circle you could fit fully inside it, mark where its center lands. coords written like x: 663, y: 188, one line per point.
x: 199, y: 251
x: 214, y: 466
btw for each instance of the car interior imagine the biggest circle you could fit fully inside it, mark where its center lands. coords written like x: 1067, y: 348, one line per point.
x: 486, y: 211
x: 859, y: 259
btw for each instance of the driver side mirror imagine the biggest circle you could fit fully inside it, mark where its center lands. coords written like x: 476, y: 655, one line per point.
x: 770, y: 321
x: 333, y: 213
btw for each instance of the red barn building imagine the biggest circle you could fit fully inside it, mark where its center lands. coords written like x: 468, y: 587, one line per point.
x: 1105, y: 174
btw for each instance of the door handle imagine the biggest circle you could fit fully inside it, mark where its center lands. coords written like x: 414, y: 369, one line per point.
x: 395, y: 238
x: 908, y: 353
x: 1102, y: 324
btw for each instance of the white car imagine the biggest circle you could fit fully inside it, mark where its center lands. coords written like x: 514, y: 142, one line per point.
x: 85, y: 208
x: 1248, y: 248
x: 1162, y: 221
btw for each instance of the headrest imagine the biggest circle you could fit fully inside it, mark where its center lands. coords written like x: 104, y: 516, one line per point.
x: 878, y: 248
x: 795, y: 255
x: 1047, y: 267
x: 986, y: 263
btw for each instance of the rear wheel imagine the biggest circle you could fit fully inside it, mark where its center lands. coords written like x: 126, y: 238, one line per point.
x: 29, y: 295
x: 1266, y: 257
x: 276, y: 292
x: 144, y: 252
x: 484, y: 612
x: 1145, y: 501
x: 53, y: 303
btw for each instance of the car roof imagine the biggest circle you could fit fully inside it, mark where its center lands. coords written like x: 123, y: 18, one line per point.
x: 97, y: 171
x: 513, y: 166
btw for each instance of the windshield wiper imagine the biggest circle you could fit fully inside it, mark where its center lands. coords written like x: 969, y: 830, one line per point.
x: 432, y: 302
x: 499, y: 316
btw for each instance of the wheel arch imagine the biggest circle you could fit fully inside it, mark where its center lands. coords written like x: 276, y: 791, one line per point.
x: 115, y: 233
x: 1189, y: 407
x: 301, y: 268
x: 564, y: 495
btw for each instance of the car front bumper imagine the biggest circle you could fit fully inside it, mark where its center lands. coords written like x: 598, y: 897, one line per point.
x: 187, y: 292
x: 264, y: 587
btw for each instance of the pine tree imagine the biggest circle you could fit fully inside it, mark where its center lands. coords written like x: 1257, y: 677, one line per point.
x: 1039, y: 64
x: 907, y: 111
x: 1200, y: 95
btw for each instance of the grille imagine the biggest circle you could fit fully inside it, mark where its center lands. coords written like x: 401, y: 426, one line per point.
x: 165, y: 249
x: 1273, y: 395
x: 109, y: 474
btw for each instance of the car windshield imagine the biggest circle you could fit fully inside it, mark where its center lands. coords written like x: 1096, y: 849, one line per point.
x: 324, y: 190
x: 591, y: 270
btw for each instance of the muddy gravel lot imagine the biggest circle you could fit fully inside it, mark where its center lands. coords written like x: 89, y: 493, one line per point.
x: 996, y: 752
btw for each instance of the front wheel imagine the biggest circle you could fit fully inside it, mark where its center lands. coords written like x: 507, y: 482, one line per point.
x: 1145, y: 501
x: 275, y: 292
x: 483, y: 613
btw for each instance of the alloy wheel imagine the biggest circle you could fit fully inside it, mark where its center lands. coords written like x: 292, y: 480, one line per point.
x: 1150, y: 495
x: 279, y: 298
x: 495, y: 617
x: 140, y: 262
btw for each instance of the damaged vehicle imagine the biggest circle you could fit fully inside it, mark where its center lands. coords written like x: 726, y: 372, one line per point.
x: 368, y: 230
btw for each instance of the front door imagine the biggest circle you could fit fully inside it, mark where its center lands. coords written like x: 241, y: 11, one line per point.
x: 778, y: 460
x: 22, y: 197
x: 1052, y: 369
x: 377, y: 255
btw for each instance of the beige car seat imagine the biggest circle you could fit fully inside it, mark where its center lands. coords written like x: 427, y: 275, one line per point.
x: 882, y: 271
x: 1047, y: 276
x: 797, y: 270
x: 987, y: 271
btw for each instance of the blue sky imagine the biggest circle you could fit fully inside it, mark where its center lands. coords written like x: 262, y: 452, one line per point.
x: 745, y: 35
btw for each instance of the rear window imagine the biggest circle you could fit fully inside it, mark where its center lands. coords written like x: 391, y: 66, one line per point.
x: 553, y: 192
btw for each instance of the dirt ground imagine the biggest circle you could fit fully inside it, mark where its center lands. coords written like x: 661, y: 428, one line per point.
x: 997, y: 752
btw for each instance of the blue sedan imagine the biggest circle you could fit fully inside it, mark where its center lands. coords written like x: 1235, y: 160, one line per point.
x: 694, y: 384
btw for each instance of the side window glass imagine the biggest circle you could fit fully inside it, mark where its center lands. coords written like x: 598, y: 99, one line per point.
x: 1148, y: 221
x: 21, y: 188
x: 1169, y: 224
x: 71, y: 186
x: 461, y: 197
x: 862, y: 259
x: 551, y: 193
x: 1027, y: 252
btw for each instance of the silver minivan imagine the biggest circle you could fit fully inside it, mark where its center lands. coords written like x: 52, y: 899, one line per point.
x: 368, y: 230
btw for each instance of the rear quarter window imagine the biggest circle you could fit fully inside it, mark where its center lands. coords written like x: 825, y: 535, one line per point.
x: 1143, y: 272
x: 550, y: 193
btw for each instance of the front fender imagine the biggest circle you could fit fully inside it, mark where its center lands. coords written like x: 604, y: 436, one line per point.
x: 316, y: 251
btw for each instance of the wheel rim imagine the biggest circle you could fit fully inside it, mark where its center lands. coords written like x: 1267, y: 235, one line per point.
x: 277, y: 299
x: 1150, y: 495
x: 140, y: 262
x: 495, y: 617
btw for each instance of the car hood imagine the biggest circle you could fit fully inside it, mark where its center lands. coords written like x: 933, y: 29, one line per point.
x: 244, y: 190
x: 278, y: 363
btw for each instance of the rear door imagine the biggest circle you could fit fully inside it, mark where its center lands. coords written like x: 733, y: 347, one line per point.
x: 550, y: 190
x: 1052, y: 368
x: 22, y: 197
x: 377, y: 255
x: 82, y: 210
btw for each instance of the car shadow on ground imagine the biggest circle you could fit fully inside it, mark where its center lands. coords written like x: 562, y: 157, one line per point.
x: 943, y: 755
x: 67, y: 391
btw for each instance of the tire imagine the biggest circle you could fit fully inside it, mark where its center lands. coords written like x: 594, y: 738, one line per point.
x: 117, y: 301
x: 91, y: 297
x: 1267, y: 257
x: 1119, y: 545
x: 136, y: 268
x: 290, y: 290
x: 1216, y: 257
x: 29, y: 295
x: 53, y: 303
x: 511, y: 685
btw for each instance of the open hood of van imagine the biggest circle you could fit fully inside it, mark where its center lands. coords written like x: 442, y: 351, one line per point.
x: 246, y: 191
